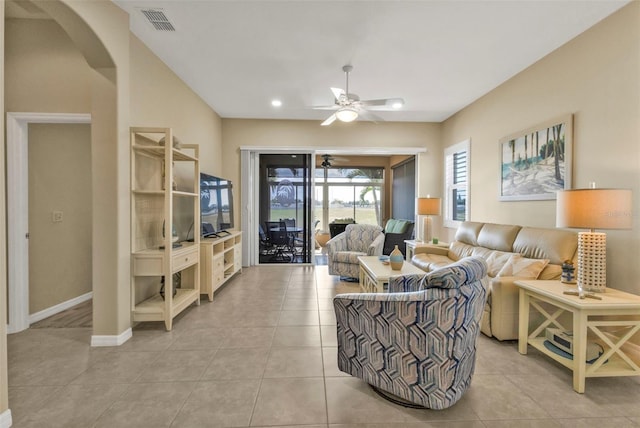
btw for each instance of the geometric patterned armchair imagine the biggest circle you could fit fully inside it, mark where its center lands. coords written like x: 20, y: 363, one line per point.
x: 357, y: 240
x: 415, y: 345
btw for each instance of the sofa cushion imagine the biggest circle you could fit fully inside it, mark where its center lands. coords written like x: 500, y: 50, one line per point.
x: 429, y: 262
x: 459, y: 250
x: 550, y: 272
x: 498, y: 236
x: 554, y: 244
x: 496, y: 261
x: 468, y: 232
x: 523, y: 267
x: 396, y: 226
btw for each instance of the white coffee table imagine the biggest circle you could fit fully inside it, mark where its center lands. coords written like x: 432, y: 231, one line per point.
x: 611, y: 322
x: 374, y: 275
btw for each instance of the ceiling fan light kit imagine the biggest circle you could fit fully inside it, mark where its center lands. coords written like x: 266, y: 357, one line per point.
x: 350, y: 107
x: 347, y: 114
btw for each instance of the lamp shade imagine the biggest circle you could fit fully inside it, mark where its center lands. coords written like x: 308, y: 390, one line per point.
x: 594, y: 209
x: 347, y: 114
x: 428, y: 206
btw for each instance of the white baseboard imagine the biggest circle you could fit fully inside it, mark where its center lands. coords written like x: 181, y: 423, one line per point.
x: 46, y: 313
x: 111, y: 340
x: 5, y: 419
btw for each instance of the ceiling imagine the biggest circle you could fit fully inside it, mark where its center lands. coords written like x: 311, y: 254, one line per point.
x: 439, y: 56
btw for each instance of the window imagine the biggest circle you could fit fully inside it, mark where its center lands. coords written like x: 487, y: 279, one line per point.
x: 354, y: 193
x: 456, y: 193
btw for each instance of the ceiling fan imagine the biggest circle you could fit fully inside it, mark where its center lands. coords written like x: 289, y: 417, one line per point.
x: 349, y: 106
x: 326, y: 163
x: 328, y: 159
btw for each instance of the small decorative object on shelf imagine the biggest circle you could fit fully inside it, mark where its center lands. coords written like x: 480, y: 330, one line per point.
x: 176, y: 284
x: 176, y: 142
x: 435, y: 241
x: 396, y: 259
x: 568, y: 272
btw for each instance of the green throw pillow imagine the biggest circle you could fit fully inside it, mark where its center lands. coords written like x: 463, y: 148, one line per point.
x: 396, y: 226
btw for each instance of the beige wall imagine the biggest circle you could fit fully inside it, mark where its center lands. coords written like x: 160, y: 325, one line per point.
x: 59, y: 180
x: 45, y: 71
x: 595, y: 77
x: 160, y: 98
x: 307, y: 134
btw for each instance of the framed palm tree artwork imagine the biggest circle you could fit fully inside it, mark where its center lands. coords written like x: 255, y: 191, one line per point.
x: 536, y: 162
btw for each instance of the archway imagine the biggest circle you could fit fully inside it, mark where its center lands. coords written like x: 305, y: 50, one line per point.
x: 100, y: 30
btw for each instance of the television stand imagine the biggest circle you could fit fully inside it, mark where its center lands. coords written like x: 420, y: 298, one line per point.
x: 221, y: 259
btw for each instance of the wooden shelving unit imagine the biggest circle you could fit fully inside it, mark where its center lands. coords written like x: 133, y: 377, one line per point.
x: 220, y: 258
x: 154, y: 204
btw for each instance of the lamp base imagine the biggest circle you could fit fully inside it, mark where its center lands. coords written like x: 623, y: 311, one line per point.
x: 592, y: 261
x: 426, y: 229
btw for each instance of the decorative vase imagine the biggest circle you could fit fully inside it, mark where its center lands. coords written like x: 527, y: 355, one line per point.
x: 396, y: 259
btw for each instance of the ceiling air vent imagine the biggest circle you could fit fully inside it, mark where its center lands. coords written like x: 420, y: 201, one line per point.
x: 158, y: 19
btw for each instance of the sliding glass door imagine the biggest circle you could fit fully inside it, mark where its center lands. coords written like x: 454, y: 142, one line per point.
x: 285, y: 208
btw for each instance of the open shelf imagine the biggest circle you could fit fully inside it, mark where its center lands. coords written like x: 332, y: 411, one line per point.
x: 156, y: 304
x: 153, y: 178
x: 614, y: 366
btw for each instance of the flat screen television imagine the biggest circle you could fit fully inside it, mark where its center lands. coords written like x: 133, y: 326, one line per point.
x: 216, y: 205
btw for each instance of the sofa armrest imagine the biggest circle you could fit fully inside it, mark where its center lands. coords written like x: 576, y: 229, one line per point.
x: 406, y: 283
x: 504, y: 308
x: 375, y: 248
x: 442, y: 251
x: 337, y: 243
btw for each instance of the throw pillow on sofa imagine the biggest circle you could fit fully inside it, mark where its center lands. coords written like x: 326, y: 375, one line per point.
x: 523, y: 267
x: 496, y: 261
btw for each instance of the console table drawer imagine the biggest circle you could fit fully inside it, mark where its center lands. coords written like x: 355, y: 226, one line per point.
x: 184, y: 260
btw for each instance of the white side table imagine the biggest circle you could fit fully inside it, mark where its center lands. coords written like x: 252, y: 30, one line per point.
x: 374, y: 275
x: 412, y: 244
x: 610, y: 322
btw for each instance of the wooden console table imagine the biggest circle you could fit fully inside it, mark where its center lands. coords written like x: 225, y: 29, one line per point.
x: 593, y: 320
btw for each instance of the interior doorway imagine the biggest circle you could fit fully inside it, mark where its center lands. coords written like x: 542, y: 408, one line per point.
x: 18, y: 215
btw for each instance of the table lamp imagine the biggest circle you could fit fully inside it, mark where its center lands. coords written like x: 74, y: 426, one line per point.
x: 427, y: 207
x: 593, y: 209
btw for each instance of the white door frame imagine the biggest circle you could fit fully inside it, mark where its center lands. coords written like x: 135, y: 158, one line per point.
x: 18, y: 208
x: 249, y: 170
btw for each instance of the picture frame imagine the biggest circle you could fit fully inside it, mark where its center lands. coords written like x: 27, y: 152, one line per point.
x: 537, y: 162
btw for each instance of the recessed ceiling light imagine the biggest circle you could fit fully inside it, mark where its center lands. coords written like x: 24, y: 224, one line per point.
x: 397, y: 105
x: 276, y: 103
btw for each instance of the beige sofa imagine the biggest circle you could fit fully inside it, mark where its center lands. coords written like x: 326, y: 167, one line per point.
x: 509, y: 250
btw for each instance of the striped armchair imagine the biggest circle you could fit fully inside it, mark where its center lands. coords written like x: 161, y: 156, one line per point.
x: 357, y: 240
x: 415, y: 345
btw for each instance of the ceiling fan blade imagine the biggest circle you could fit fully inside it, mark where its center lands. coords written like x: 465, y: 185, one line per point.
x: 367, y: 115
x: 337, y: 92
x: 329, y: 120
x: 331, y: 107
x: 387, y: 103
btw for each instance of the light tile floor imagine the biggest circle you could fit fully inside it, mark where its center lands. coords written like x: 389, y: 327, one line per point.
x: 263, y: 354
